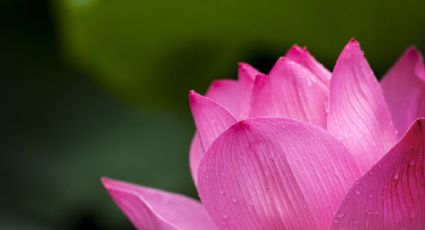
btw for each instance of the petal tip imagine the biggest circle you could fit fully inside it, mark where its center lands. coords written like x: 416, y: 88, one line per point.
x: 107, y: 182
x: 295, y: 50
x: 414, y: 52
x: 193, y: 96
x: 353, y: 41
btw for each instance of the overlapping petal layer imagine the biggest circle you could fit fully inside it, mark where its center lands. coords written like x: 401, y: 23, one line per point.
x: 226, y: 92
x: 246, y: 78
x: 274, y: 173
x: 304, y: 58
x: 392, y: 194
x: 404, y: 89
x: 358, y: 114
x: 151, y: 209
x: 211, y: 119
x: 290, y: 91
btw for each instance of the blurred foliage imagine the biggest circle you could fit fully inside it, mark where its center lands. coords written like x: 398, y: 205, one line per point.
x: 154, y: 51
x: 72, y: 72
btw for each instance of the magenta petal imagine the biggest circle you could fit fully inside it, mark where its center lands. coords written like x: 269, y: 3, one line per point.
x: 358, y: 114
x: 246, y: 77
x: 151, y: 209
x: 195, y: 156
x: 392, y: 194
x: 290, y: 91
x: 404, y: 89
x: 211, y: 119
x: 226, y: 92
x: 304, y: 58
x: 275, y: 173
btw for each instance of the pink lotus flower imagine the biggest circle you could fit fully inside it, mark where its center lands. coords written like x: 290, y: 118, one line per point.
x: 300, y: 148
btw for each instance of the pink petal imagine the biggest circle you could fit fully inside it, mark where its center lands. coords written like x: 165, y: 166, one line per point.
x: 226, y: 92
x: 149, y: 208
x: 246, y: 77
x: 304, y: 58
x: 392, y: 194
x: 358, y: 114
x: 275, y: 173
x: 291, y: 91
x: 196, y: 153
x: 211, y: 119
x: 404, y: 89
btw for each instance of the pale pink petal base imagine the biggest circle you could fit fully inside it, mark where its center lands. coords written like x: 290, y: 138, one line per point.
x: 392, y: 194
x: 274, y: 173
x: 151, y: 209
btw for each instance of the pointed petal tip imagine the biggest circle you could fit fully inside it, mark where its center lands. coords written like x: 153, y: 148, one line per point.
x: 296, y: 50
x: 104, y: 180
x: 353, y: 45
x: 242, y: 65
x: 219, y: 83
x: 353, y: 41
x: 194, y: 96
x: 191, y: 92
x: 107, y: 182
x: 414, y: 52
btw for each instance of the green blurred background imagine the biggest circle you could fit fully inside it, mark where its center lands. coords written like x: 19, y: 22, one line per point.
x: 94, y: 88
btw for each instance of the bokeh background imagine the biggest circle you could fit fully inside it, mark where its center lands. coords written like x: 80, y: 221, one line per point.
x: 93, y: 88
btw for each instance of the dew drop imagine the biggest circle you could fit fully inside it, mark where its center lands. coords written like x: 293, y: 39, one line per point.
x: 396, y: 176
x: 225, y: 217
x: 340, y: 215
x: 357, y: 192
x: 309, y: 83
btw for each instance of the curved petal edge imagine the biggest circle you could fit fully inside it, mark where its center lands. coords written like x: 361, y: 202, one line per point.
x: 392, y: 194
x: 261, y: 174
x: 151, y: 209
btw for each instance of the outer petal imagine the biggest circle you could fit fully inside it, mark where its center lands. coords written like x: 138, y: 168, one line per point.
x: 246, y: 77
x: 275, y: 173
x: 291, y: 91
x: 304, y: 58
x: 211, y: 119
x: 157, y: 210
x: 226, y: 92
x: 358, y: 113
x: 196, y: 153
x: 404, y: 89
x: 392, y: 194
